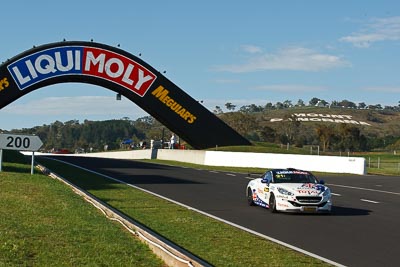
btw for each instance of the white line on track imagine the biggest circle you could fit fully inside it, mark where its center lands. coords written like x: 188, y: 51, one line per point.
x: 212, y: 216
x: 369, y: 201
x: 214, y: 171
x: 365, y: 189
x: 334, y: 194
x: 231, y: 174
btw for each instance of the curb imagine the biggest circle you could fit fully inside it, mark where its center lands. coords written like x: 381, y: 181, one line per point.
x: 170, y: 253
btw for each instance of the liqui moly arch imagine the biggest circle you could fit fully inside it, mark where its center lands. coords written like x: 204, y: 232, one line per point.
x: 123, y: 73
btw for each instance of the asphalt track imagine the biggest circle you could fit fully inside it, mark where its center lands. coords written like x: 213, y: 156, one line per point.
x: 363, y: 229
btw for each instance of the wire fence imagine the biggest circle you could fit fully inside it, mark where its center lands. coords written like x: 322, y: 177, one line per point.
x: 383, y: 165
x: 386, y: 163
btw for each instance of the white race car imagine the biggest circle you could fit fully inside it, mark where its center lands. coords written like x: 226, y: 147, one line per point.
x: 289, y: 190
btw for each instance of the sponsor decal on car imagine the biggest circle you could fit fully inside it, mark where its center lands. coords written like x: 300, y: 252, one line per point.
x: 291, y: 172
x: 283, y: 197
x: 310, y: 192
x: 317, y: 187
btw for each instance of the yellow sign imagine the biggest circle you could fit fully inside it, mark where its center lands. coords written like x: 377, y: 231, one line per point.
x: 4, y: 84
x: 162, y: 94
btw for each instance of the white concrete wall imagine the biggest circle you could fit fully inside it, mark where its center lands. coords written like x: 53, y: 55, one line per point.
x: 190, y: 156
x: 306, y: 162
x: 331, y: 164
x: 131, y: 154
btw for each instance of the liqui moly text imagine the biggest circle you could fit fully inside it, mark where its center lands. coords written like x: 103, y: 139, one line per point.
x: 82, y: 60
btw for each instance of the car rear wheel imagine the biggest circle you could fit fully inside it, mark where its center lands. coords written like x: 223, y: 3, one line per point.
x: 272, y: 203
x: 250, y: 197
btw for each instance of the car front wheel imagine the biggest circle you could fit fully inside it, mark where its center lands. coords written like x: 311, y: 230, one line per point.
x: 272, y: 203
x: 250, y: 197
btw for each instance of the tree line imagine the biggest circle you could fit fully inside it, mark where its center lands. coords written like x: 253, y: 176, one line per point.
x: 248, y: 121
x: 252, y: 108
x: 89, y: 135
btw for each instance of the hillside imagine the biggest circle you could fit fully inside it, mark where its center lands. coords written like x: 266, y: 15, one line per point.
x: 378, y: 123
x: 333, y: 129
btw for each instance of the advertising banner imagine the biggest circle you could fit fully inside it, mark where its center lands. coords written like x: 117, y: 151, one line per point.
x: 123, y: 73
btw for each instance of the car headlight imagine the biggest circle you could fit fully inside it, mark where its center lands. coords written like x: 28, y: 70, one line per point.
x: 284, y: 191
x: 327, y: 192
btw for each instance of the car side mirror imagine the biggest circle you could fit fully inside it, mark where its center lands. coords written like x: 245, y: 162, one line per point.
x: 321, y: 182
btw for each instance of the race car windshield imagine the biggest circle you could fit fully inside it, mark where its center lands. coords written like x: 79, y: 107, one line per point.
x: 292, y: 177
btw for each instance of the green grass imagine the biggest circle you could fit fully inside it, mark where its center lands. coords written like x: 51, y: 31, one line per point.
x: 43, y: 223
x: 216, y: 242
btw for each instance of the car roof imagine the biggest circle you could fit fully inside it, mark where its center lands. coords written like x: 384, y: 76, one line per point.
x: 289, y: 170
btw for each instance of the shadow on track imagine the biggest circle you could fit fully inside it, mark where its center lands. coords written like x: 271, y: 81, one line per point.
x: 345, y: 211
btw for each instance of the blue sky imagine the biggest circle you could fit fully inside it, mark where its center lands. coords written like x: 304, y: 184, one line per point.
x: 242, y: 52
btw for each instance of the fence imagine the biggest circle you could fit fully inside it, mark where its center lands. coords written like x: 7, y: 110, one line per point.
x: 381, y: 165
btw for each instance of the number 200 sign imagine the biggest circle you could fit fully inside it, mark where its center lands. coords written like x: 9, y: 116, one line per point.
x: 20, y: 142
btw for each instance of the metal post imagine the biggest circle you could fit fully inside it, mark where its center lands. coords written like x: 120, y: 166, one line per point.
x: 33, y: 161
x: 1, y: 158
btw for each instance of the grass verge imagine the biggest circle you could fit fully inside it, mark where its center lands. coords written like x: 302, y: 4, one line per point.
x: 218, y: 243
x: 43, y: 223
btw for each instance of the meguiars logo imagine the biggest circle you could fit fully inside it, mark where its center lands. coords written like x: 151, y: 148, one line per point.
x: 81, y: 60
x: 4, y: 84
x: 162, y: 94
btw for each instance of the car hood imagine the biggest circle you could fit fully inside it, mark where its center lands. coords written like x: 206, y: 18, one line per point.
x: 308, y: 189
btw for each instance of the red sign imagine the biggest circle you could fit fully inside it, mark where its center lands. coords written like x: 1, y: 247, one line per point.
x: 118, y: 69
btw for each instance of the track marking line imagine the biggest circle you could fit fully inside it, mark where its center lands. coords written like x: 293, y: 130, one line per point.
x: 369, y: 201
x: 231, y: 174
x: 334, y: 194
x: 212, y: 216
x: 365, y: 189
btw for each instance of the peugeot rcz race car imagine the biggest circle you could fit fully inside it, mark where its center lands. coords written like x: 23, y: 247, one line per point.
x: 289, y: 190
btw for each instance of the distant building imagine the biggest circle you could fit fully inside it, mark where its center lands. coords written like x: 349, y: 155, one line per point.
x: 321, y: 104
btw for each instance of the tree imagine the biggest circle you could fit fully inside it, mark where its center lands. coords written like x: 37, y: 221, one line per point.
x: 279, y: 105
x: 347, y: 104
x: 287, y: 104
x: 289, y: 128
x: 334, y: 103
x: 230, y: 106
x: 251, y: 109
x: 361, y: 105
x: 314, y: 101
x: 218, y: 110
x: 300, y: 103
x: 267, y: 134
x: 350, y: 138
x: 269, y: 105
x: 325, y: 134
x: 243, y: 123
